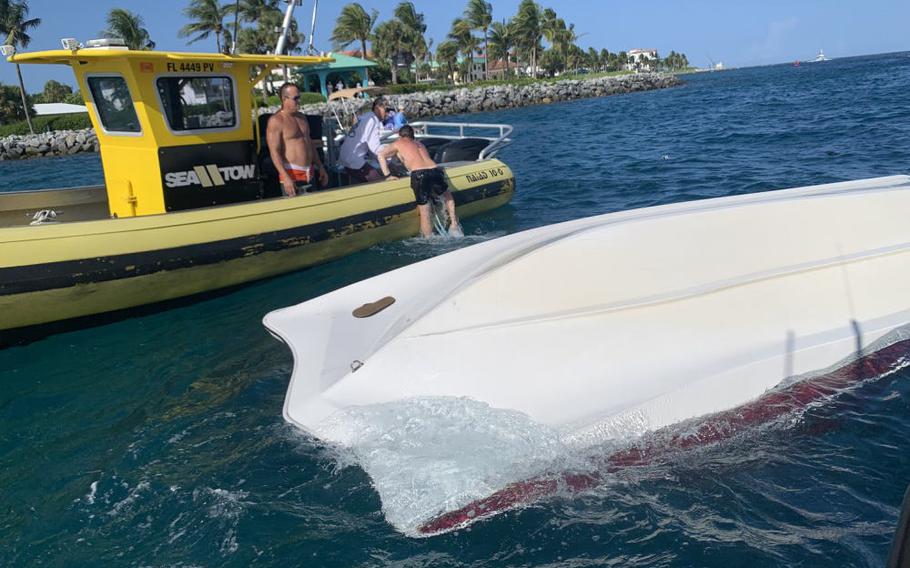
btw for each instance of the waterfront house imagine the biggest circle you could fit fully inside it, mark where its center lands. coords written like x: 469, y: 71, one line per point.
x: 640, y: 59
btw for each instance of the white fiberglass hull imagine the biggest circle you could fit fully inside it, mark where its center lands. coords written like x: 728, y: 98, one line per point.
x: 619, y: 324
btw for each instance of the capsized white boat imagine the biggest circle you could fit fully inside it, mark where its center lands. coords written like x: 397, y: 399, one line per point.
x: 613, y: 326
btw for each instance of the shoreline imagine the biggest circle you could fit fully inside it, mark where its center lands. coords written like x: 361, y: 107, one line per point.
x: 417, y: 106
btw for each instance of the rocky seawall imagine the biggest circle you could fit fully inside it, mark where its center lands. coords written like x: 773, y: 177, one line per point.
x: 478, y: 99
x: 55, y: 143
x: 415, y: 105
x: 437, y: 103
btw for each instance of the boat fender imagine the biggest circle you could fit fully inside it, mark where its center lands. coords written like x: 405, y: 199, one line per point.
x: 373, y: 308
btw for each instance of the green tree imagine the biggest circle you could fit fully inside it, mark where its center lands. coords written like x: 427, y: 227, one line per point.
x: 603, y: 59
x: 479, y: 14
x: 592, y: 59
x: 461, y: 34
x: 207, y: 18
x: 74, y: 98
x: 551, y: 61
x: 527, y: 26
x: 567, y: 41
x: 551, y: 25
x: 354, y: 24
x: 388, y: 43
x: 412, y: 21
x: 622, y: 59
x: 447, y: 55
x: 10, y: 105
x: 125, y: 25
x: 562, y: 37
x: 501, y: 42
x: 55, y: 92
x: 252, y: 10
x: 264, y: 37
x: 16, y: 24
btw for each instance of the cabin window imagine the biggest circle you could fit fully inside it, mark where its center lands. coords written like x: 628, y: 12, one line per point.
x: 198, y: 103
x: 114, y: 104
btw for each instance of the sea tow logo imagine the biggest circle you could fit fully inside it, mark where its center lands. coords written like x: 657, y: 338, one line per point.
x: 210, y: 175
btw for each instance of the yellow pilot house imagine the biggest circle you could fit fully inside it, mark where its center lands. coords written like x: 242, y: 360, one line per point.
x: 189, y: 203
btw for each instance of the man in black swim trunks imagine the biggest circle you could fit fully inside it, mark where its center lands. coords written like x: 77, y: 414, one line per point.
x: 427, y: 180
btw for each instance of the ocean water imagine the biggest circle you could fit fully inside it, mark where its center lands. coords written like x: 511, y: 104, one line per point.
x: 158, y: 440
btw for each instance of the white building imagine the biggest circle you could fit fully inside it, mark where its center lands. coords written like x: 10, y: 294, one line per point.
x: 640, y: 59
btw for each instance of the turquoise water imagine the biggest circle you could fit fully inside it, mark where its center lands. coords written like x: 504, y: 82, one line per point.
x: 158, y: 440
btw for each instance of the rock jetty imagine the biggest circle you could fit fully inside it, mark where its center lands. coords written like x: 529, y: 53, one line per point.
x: 55, y: 143
x: 415, y: 105
x: 436, y: 103
x: 478, y: 99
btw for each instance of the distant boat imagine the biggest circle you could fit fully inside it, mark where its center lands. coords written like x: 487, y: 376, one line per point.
x: 820, y: 57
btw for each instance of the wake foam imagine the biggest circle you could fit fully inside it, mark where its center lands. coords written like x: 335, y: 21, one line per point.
x: 426, y: 456
x: 441, y: 463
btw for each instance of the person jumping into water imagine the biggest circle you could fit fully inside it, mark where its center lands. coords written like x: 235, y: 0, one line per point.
x: 427, y: 179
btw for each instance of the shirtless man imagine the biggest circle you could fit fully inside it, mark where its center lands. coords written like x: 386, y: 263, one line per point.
x: 427, y: 180
x: 293, y: 153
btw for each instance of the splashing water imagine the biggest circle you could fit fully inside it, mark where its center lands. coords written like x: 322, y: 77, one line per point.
x: 429, y: 455
x: 441, y: 463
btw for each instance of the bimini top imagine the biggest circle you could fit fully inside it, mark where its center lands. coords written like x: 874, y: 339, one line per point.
x: 66, y: 57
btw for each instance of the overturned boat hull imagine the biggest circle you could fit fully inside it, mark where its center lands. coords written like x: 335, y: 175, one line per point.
x: 618, y: 325
x: 60, y: 271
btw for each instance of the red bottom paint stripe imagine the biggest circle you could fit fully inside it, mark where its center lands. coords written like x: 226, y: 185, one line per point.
x: 716, y: 428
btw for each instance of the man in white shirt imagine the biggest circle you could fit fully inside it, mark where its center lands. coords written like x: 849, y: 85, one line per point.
x: 362, y: 144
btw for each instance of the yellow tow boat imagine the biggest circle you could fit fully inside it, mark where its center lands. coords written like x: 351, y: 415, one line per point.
x: 188, y: 204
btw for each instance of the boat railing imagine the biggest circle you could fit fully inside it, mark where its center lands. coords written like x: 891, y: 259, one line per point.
x: 464, y: 130
x: 444, y: 130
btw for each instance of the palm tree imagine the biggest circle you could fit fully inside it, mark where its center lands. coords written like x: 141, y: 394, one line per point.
x: 414, y: 26
x: 553, y: 29
x: 479, y: 14
x: 501, y: 42
x: 263, y: 38
x: 125, y: 25
x: 447, y: 54
x: 16, y: 26
x: 465, y: 40
x: 592, y: 59
x: 527, y: 26
x: 354, y: 24
x: 252, y: 10
x: 568, y: 39
x: 604, y: 59
x: 388, y: 43
x: 206, y: 17
x: 550, y: 24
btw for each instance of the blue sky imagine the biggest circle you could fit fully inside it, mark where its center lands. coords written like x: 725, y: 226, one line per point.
x: 736, y: 32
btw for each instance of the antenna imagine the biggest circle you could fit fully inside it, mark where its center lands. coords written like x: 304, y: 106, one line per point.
x: 236, y: 26
x: 312, y: 49
x: 286, y: 25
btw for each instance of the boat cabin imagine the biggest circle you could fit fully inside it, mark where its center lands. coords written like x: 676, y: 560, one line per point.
x: 176, y: 130
x: 188, y: 203
x: 185, y: 131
